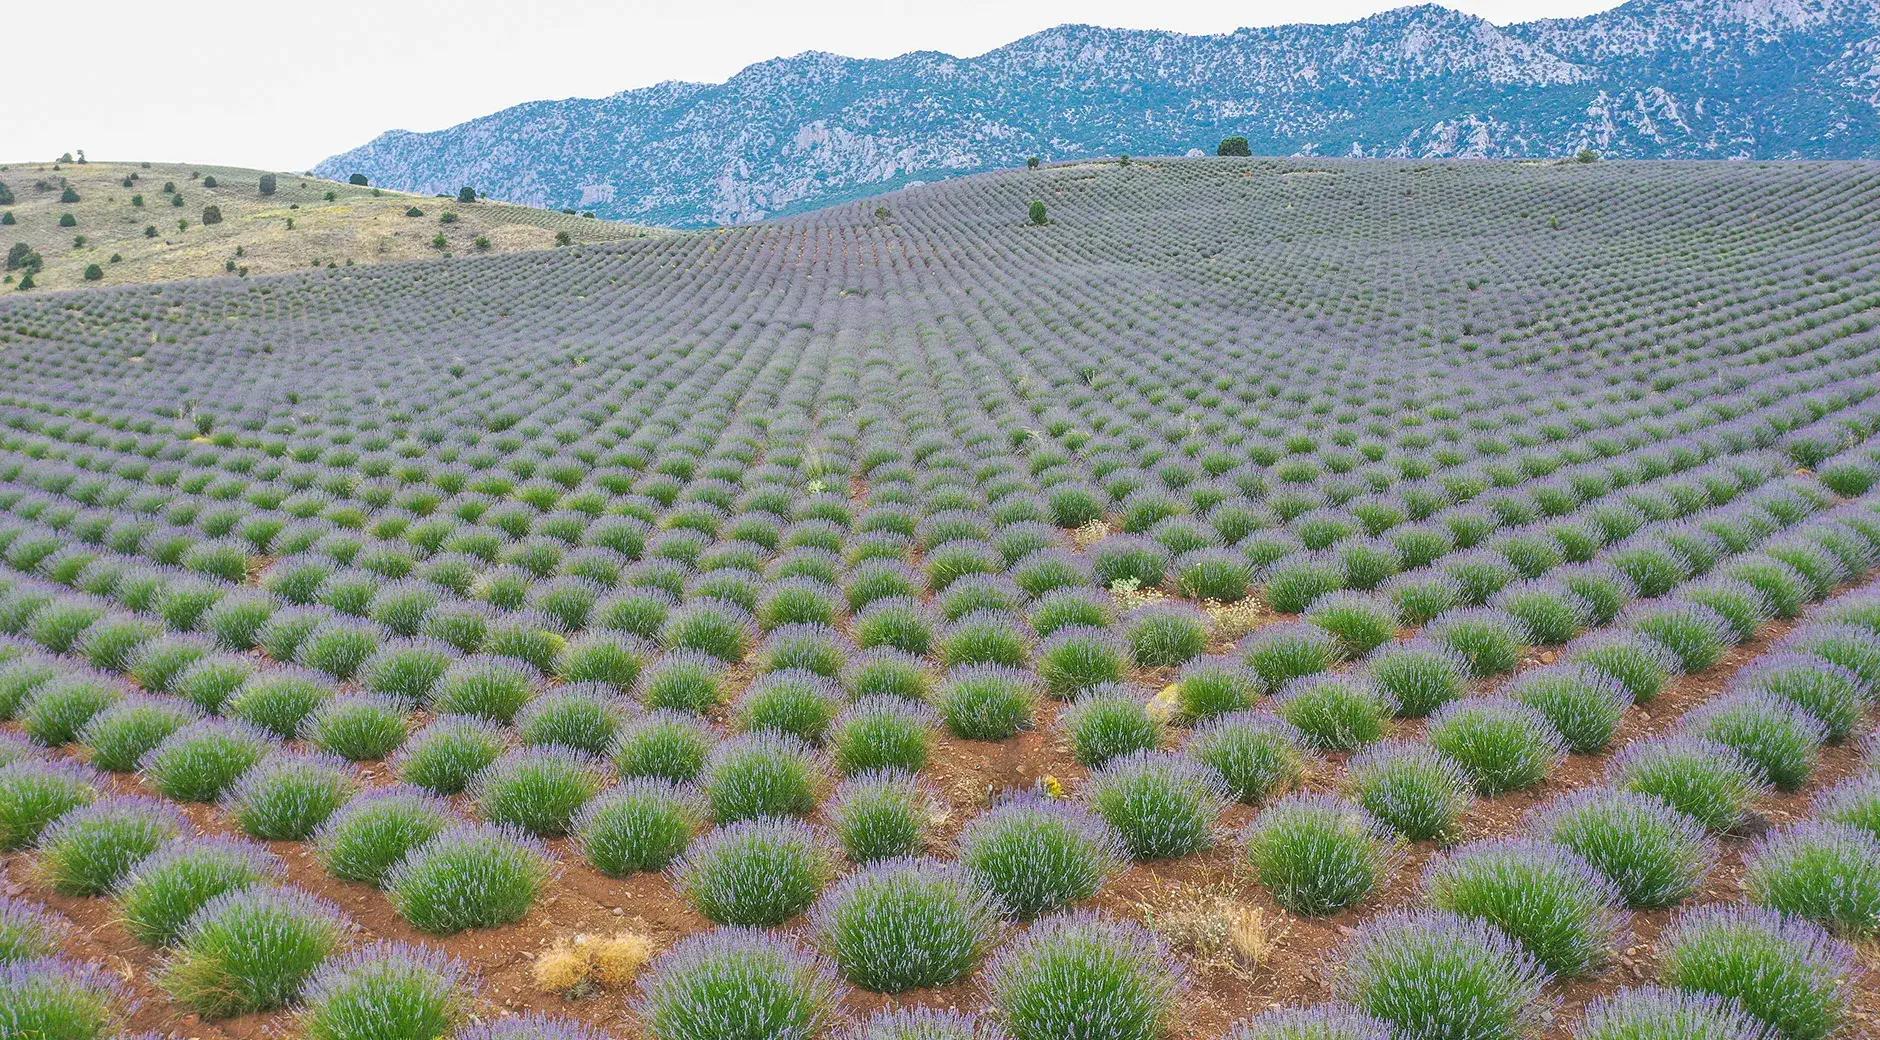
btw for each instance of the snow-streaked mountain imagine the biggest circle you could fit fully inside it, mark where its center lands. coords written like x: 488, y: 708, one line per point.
x: 1651, y: 78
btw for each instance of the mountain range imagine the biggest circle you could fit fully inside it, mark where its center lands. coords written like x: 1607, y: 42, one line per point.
x: 1688, y: 79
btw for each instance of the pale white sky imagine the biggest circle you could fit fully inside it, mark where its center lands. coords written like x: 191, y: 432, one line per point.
x: 282, y: 84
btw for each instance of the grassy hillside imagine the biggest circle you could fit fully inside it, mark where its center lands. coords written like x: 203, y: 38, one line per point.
x: 142, y: 231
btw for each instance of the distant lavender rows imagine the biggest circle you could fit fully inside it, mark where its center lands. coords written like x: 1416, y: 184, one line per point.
x: 1374, y: 400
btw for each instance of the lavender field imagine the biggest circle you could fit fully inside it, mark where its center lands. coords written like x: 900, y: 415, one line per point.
x: 1269, y: 600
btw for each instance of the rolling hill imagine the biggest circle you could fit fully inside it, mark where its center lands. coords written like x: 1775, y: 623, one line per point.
x: 1263, y: 583
x: 128, y: 221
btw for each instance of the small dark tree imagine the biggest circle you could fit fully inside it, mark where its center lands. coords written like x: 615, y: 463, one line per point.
x: 1233, y: 146
x: 1123, y: 160
x: 26, y: 280
x: 466, y: 194
x: 169, y: 187
x: 209, y: 181
x: 81, y: 157
x: 150, y: 231
x: 137, y: 201
x: 6, y: 194
x: 18, y: 255
x: 359, y: 179
x: 67, y: 220
x: 267, y: 184
x: 67, y: 157
x: 482, y: 242
x: 414, y: 212
x: 68, y: 196
x: 1038, y: 216
x: 7, y: 220
x: 94, y: 273
x: 439, y: 241
x: 130, y: 180
x: 177, y: 200
x: 1586, y: 155
x: 562, y: 238
x: 1032, y: 163
x: 212, y: 214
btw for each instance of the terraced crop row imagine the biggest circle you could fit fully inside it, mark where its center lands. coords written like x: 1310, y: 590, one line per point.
x: 1307, y: 599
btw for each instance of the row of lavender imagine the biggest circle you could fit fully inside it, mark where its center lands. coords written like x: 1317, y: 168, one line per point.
x: 399, y: 639
x: 1156, y: 806
x: 910, y: 464
x: 1336, y: 469
x: 989, y: 634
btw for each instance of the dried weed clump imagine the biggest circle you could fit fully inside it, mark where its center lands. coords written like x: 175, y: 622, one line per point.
x: 1214, y: 926
x: 576, y: 965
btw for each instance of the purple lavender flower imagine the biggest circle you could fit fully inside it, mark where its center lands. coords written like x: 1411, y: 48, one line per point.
x: 1786, y: 971
x: 919, y: 1023
x: 1128, y: 982
x: 34, y: 792
x: 898, y: 924
x: 1854, y: 801
x: 88, y: 850
x: 737, y: 982
x: 419, y: 990
x: 532, y: 1025
x: 60, y: 997
x: 1318, y: 1022
x: 1564, y: 912
x: 1781, y: 739
x: 1318, y: 853
x: 1666, y: 1014
x: 1433, y: 974
x: 1825, y: 872
x: 28, y: 931
x: 1163, y: 804
x: 1709, y: 781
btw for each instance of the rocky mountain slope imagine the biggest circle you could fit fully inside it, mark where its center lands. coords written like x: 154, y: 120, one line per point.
x: 1650, y: 79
